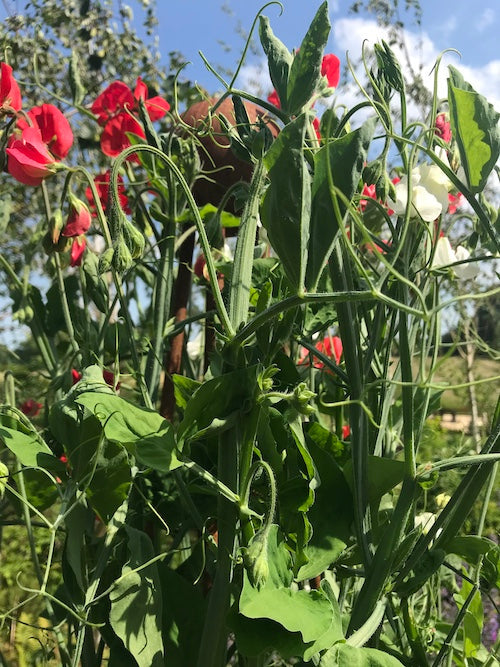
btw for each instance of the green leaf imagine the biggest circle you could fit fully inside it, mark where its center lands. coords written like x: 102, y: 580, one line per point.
x: 286, y: 207
x: 29, y: 448
x: 184, y: 609
x: 184, y: 388
x: 383, y: 475
x: 474, y: 123
x: 473, y: 619
x: 145, y: 433
x: 218, y: 399
x: 345, y: 158
x: 95, y: 285
x: 331, y: 515
x: 490, y: 569
x: 343, y: 655
x: 305, y: 71
x: 136, y: 603
x: 279, y: 59
x: 470, y: 547
x: 309, y: 613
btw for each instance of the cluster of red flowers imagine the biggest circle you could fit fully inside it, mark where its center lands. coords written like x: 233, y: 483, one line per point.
x: 43, y: 136
x: 116, y: 109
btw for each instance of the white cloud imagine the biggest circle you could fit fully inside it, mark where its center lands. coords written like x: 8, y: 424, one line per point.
x: 349, y: 35
x: 486, y: 19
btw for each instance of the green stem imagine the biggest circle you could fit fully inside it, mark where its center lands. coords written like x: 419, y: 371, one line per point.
x: 215, y: 632
x: 200, y: 227
x: 418, y: 651
x: 241, y: 280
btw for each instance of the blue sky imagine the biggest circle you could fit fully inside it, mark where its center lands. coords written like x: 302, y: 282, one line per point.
x: 470, y: 27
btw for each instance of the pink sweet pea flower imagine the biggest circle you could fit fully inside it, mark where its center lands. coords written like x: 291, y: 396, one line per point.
x: 10, y: 95
x: 29, y: 160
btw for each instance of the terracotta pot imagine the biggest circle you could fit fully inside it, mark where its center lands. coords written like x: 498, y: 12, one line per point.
x: 215, y: 152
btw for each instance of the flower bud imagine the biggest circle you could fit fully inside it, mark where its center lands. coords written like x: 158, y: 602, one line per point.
x: 105, y: 261
x: 122, y: 258
x: 55, y: 225
x: 134, y: 239
x: 255, y: 559
x: 301, y: 397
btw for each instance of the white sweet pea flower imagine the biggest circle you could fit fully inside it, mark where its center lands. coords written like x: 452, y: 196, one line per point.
x: 444, y: 255
x: 194, y: 347
x: 429, y: 193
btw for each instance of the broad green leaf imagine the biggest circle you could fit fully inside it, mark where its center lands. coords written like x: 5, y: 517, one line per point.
x: 258, y: 635
x: 29, y: 448
x: 475, y: 127
x: 343, y: 655
x: 470, y: 547
x: 136, y: 603
x: 184, y: 609
x: 110, y: 482
x: 95, y: 286
x: 334, y: 633
x: 490, y: 569
x: 473, y: 619
x: 279, y: 59
x: 144, y: 432
x: 383, y: 475
x: 305, y: 71
x: 224, y: 397
x: 331, y: 515
x: 309, y: 613
x: 345, y: 158
x: 286, y: 207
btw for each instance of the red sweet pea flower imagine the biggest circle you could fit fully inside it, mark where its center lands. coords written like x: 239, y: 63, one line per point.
x: 79, y: 219
x: 330, y: 67
x: 443, y: 129
x: 54, y: 127
x: 102, y: 186
x: 156, y: 106
x: 10, y: 95
x: 274, y: 99
x: 107, y: 376
x: 454, y: 202
x: 29, y: 160
x: 76, y: 376
x: 331, y: 346
x: 114, y: 109
x: 77, y: 249
x: 31, y: 408
x: 114, y: 138
x: 346, y: 431
x: 316, y: 128
x: 113, y: 100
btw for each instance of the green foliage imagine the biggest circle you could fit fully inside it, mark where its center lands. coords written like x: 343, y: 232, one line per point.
x: 278, y: 492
